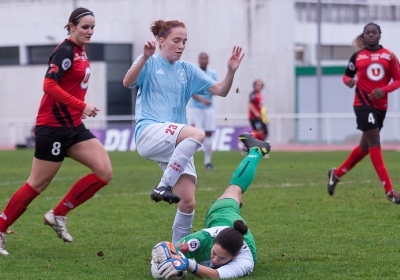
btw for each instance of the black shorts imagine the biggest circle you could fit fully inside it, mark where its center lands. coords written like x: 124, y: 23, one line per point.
x: 52, y: 143
x: 369, y: 118
x: 257, y: 124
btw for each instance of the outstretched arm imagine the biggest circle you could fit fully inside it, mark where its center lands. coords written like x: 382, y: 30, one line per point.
x: 222, y: 88
x: 134, y: 72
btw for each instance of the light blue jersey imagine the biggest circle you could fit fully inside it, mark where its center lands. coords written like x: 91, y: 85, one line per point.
x: 206, y: 95
x: 165, y: 89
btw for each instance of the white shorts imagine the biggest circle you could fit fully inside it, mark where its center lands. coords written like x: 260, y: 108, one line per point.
x: 203, y: 119
x: 158, y: 142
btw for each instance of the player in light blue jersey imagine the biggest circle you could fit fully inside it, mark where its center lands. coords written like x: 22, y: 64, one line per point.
x: 201, y: 113
x: 165, y: 85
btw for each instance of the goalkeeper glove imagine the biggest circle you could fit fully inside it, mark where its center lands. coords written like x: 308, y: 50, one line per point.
x: 192, y: 265
x: 162, y: 251
x: 172, y: 266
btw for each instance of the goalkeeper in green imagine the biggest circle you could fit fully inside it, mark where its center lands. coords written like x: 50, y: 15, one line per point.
x: 225, y: 248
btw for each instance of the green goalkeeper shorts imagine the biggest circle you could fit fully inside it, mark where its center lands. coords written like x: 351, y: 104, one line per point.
x: 224, y: 212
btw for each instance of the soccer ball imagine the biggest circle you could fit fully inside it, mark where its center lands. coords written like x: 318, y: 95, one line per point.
x: 180, y: 276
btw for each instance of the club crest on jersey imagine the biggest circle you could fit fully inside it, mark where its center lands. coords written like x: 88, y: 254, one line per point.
x: 375, y: 71
x: 66, y: 63
x: 193, y: 244
x: 182, y: 76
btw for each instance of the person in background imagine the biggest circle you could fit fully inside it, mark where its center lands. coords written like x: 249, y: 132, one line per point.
x: 374, y: 66
x: 225, y: 248
x: 165, y: 85
x: 30, y: 140
x: 60, y: 133
x: 201, y: 113
x: 258, y: 116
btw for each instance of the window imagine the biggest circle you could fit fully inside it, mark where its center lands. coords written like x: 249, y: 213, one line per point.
x: 337, y: 52
x: 356, y: 11
x: 9, y: 55
x: 40, y: 54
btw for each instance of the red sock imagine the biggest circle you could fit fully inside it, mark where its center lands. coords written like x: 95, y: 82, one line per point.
x: 377, y: 160
x: 80, y: 192
x: 16, y: 206
x: 355, y: 156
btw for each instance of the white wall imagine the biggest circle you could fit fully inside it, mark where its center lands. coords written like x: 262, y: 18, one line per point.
x: 21, y: 90
x: 213, y: 26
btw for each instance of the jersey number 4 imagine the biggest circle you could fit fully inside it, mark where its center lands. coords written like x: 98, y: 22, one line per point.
x: 371, y: 118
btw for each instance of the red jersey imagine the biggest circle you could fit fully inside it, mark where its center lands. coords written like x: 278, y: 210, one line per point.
x: 68, y: 74
x: 374, y: 69
x: 257, y: 100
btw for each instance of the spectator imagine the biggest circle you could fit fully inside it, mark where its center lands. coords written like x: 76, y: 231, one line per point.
x: 201, y: 113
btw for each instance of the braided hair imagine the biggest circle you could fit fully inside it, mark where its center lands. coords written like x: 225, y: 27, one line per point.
x: 358, y: 42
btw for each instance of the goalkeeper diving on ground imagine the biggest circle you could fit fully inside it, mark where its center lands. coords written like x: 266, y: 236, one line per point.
x: 225, y: 248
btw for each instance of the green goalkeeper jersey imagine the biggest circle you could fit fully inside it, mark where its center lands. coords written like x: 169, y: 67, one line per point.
x: 199, y: 246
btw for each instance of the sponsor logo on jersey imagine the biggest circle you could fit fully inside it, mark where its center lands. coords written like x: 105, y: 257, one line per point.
x: 375, y: 72
x: 80, y: 56
x: 53, y: 68
x: 375, y: 56
x: 193, y: 244
x: 386, y: 56
x: 66, y: 63
x: 160, y: 71
x: 362, y: 56
x: 351, y: 66
x: 85, y: 81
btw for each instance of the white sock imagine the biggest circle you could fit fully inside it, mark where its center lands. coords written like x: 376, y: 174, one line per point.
x: 207, y: 146
x: 178, y: 161
x: 182, y: 225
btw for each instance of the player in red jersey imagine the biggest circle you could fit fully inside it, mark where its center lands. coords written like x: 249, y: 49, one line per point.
x: 60, y: 133
x: 257, y: 112
x: 374, y: 67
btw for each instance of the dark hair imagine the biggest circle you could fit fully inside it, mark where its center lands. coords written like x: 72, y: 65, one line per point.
x: 203, y: 54
x: 231, y: 239
x: 161, y: 28
x: 359, y: 42
x: 258, y: 80
x: 77, y: 14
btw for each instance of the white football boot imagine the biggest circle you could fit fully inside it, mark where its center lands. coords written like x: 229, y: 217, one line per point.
x: 59, y: 224
x: 3, y: 241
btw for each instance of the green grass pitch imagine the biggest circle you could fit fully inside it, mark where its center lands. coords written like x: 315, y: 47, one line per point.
x: 301, y: 232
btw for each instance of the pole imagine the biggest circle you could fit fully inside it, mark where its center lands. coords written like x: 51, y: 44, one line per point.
x: 319, y: 74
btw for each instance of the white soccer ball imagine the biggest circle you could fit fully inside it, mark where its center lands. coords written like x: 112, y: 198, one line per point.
x: 181, y: 275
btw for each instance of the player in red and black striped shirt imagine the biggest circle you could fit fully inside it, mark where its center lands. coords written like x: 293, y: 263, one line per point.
x: 375, y: 68
x: 258, y: 125
x: 60, y: 133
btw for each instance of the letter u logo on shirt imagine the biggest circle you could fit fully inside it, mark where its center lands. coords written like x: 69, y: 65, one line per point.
x: 375, y: 72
